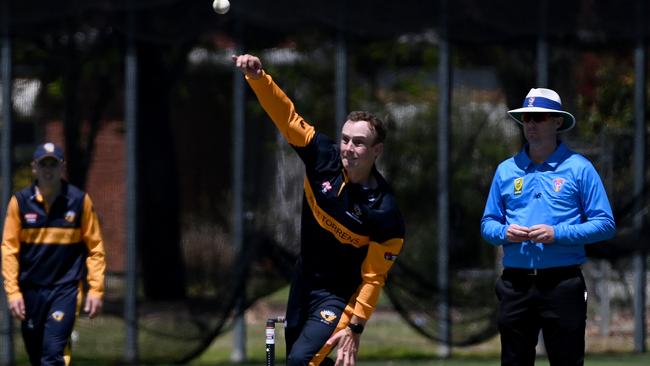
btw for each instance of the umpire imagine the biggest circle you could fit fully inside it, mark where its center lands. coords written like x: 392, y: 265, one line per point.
x: 51, y: 241
x: 544, y: 205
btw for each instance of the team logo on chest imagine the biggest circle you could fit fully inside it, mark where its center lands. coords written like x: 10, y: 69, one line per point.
x: 70, y: 216
x: 356, y: 214
x: 325, y: 187
x: 519, y: 185
x: 557, y: 184
x: 357, y: 210
x: 31, y: 217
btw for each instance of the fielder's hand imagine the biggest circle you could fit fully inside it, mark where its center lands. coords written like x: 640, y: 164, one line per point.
x: 250, y: 65
x: 93, y: 306
x: 17, y: 308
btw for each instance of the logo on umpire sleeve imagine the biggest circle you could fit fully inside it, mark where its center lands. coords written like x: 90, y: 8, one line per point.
x: 328, y: 316
x: 58, y: 315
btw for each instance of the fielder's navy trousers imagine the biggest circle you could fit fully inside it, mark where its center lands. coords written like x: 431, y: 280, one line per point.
x: 49, y: 319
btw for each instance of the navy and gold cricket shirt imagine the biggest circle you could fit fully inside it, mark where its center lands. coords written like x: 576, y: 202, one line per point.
x: 49, y: 246
x: 350, y: 235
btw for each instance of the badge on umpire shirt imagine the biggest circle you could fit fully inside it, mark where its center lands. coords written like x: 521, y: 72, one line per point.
x: 519, y: 185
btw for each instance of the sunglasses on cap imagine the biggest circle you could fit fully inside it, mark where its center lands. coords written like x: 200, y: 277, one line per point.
x: 537, y: 116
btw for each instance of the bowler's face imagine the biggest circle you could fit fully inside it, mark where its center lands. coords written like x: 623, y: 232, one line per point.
x: 358, y: 148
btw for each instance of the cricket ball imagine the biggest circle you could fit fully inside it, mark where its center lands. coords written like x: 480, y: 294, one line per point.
x: 221, y: 6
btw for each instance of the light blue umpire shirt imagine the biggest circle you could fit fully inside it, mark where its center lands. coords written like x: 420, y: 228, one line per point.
x: 564, y: 192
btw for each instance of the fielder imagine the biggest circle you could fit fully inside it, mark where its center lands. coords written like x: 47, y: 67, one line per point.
x: 51, y: 241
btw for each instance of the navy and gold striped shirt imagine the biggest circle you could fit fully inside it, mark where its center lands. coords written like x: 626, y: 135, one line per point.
x: 50, y: 246
x: 350, y: 235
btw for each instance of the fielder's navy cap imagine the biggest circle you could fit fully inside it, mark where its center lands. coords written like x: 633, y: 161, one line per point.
x: 48, y: 150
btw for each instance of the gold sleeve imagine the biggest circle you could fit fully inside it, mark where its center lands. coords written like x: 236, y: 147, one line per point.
x: 11, y: 250
x: 92, y: 236
x: 280, y: 108
x: 375, y: 267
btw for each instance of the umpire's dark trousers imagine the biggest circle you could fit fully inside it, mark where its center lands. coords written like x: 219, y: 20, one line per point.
x: 553, y: 300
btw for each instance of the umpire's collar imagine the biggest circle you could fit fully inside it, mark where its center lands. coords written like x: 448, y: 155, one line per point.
x: 558, y: 156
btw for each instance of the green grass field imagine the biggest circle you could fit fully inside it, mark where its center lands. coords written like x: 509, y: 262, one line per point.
x: 386, y: 341
x: 389, y: 341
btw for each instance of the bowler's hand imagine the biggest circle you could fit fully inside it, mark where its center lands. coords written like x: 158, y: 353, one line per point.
x: 250, y: 65
x: 346, y: 354
x: 93, y: 305
x: 17, y: 308
x: 517, y: 234
x: 542, y: 234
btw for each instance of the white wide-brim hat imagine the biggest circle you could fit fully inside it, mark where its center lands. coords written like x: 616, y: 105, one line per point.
x: 543, y: 100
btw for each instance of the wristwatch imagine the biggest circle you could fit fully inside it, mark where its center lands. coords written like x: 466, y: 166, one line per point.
x: 356, y: 328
